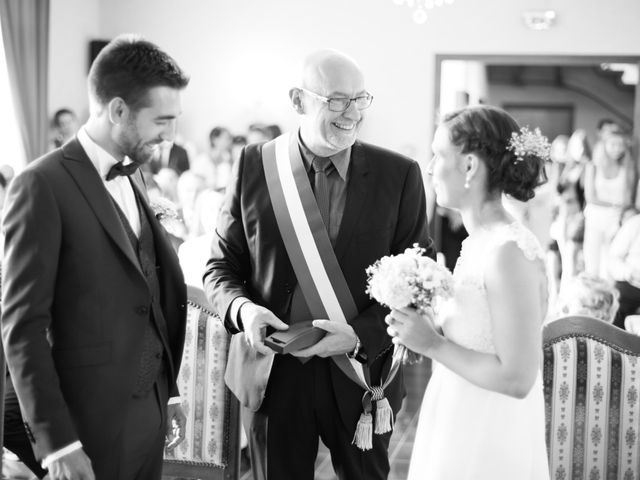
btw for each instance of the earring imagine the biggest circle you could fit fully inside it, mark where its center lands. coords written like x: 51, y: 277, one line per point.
x: 466, y: 183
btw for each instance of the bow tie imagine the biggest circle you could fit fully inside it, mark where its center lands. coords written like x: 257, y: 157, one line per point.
x: 119, y: 169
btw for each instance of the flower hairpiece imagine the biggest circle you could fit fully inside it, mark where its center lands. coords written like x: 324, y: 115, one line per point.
x: 527, y: 143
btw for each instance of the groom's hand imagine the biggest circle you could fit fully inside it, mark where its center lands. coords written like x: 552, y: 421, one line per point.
x: 256, y: 319
x: 340, y: 338
x: 73, y: 466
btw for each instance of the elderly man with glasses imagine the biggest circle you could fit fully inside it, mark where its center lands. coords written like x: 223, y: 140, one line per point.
x: 304, y: 216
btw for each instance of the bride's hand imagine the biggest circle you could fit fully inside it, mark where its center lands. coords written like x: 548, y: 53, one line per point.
x: 413, y: 329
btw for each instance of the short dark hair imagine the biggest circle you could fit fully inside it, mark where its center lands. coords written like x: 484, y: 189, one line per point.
x: 61, y: 112
x: 605, y: 121
x: 217, y: 132
x: 128, y: 67
x: 566, y: 185
x: 486, y: 131
x: 239, y: 140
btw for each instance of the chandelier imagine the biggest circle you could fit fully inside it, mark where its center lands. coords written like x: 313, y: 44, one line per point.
x: 420, y: 7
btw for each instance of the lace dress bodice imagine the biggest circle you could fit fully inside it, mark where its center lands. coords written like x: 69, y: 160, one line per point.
x: 466, y: 318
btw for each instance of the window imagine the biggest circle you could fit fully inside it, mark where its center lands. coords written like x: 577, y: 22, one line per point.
x: 13, y: 151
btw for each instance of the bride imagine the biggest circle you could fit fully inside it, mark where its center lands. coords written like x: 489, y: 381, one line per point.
x: 482, y: 416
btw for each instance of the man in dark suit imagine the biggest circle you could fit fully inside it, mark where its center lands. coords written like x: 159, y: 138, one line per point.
x: 94, y: 302
x: 376, y: 207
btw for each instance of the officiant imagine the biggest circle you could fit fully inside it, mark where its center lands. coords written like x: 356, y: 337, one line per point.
x: 304, y: 216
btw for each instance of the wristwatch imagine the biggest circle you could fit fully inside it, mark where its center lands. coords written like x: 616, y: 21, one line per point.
x: 358, y: 353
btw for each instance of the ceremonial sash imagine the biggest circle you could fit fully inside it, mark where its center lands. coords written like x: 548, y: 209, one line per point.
x: 316, y: 267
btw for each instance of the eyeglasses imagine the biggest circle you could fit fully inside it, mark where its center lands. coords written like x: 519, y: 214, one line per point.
x: 340, y: 104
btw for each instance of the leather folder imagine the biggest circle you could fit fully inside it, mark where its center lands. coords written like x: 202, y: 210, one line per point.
x: 298, y: 336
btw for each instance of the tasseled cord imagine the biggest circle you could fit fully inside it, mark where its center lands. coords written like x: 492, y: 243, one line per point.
x: 363, y: 438
x: 384, y: 414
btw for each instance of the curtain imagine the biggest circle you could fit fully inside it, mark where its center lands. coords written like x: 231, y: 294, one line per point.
x: 25, y: 33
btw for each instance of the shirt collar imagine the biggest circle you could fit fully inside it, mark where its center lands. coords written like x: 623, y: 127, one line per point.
x: 339, y: 160
x: 100, y: 158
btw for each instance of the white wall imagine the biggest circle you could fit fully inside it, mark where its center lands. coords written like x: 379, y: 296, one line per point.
x: 241, y: 53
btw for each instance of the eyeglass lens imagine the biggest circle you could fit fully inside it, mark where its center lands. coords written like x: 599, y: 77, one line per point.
x: 341, y: 104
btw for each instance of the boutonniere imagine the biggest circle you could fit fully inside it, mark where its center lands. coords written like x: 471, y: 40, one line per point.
x: 167, y: 213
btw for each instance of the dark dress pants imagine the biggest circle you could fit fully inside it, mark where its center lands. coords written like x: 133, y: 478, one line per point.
x: 144, y: 434
x: 300, y: 407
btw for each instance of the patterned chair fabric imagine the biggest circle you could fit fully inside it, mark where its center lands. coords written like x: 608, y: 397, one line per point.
x: 212, y: 445
x: 591, y: 387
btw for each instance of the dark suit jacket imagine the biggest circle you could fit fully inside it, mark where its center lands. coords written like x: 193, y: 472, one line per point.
x: 385, y: 213
x: 75, y: 304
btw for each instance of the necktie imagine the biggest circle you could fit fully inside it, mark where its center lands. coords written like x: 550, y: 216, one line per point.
x: 119, y: 169
x: 321, y: 186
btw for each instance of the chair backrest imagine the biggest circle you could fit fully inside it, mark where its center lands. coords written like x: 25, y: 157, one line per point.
x: 591, y: 389
x: 212, y: 445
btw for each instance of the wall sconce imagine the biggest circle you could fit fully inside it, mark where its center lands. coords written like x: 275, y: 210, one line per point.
x: 539, y: 19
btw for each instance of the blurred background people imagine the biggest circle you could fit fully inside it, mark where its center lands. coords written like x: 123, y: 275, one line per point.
x: 237, y: 144
x: 65, y: 125
x: 567, y: 233
x: 214, y: 166
x: 624, y: 267
x: 609, y: 185
x: 589, y: 296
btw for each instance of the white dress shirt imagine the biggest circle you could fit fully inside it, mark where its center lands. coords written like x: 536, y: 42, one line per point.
x: 120, y: 187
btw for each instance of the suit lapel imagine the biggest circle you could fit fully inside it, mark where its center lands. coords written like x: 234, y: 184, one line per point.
x: 357, y: 192
x: 90, y: 184
x: 162, y: 243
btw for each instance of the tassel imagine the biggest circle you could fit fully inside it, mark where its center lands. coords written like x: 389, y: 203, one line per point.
x: 363, y: 438
x: 384, y: 416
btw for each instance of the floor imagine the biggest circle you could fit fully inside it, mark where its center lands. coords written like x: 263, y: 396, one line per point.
x: 416, y: 378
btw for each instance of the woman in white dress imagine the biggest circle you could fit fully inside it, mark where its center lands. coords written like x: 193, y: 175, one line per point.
x: 482, y: 416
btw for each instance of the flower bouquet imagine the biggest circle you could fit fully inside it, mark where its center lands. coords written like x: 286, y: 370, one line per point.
x: 409, y: 279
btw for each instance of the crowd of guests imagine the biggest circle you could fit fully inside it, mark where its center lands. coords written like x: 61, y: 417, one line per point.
x: 595, y: 191
x: 585, y: 214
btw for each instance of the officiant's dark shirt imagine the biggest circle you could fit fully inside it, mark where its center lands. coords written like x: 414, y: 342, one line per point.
x: 337, y: 177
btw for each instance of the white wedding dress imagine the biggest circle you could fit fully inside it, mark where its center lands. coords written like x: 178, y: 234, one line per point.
x: 466, y: 432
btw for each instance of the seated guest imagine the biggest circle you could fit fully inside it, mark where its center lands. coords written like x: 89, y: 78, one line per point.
x: 65, y: 126
x: 237, y: 144
x: 589, y: 296
x: 171, y: 156
x: 624, y: 267
x: 215, y: 164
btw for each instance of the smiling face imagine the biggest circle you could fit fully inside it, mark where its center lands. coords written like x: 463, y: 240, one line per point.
x: 447, y: 170
x: 146, y: 128
x: 335, y: 76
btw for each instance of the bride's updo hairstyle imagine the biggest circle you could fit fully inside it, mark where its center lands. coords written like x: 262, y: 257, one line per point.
x: 487, y: 132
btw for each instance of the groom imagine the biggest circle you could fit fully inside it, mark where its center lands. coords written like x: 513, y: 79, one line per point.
x: 371, y: 203
x: 93, y: 304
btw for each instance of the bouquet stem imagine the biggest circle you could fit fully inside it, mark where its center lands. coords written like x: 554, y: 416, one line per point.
x: 408, y: 357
